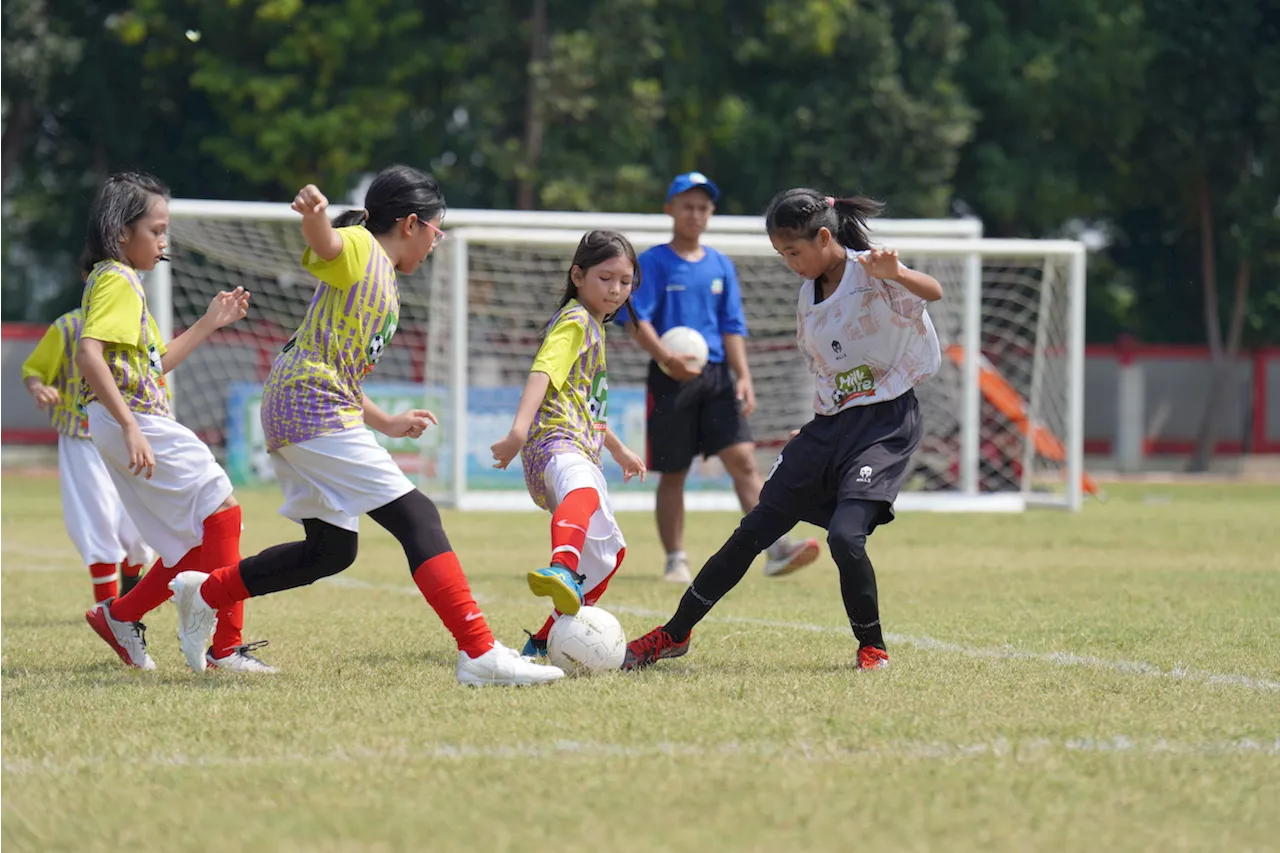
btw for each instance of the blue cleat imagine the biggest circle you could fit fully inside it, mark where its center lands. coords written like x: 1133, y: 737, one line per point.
x: 533, y: 647
x: 562, y: 586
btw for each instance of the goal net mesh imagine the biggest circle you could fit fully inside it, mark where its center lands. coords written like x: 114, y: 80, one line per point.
x: 512, y: 291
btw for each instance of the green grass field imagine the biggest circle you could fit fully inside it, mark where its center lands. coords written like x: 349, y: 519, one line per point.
x: 1102, y: 681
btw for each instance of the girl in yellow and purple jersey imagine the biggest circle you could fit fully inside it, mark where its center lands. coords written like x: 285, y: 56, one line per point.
x: 562, y: 425
x: 170, y: 484
x: 314, y: 414
x: 107, y: 539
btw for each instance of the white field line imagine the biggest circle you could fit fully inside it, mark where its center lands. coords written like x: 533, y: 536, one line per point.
x: 803, y: 752
x: 1067, y: 659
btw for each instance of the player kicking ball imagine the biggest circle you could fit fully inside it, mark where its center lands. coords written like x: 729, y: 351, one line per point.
x: 867, y: 338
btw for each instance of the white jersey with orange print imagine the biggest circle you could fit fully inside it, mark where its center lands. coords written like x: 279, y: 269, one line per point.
x: 868, y: 342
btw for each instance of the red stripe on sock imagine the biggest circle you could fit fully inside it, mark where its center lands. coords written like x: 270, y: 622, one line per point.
x: 129, y: 570
x: 445, y: 588
x: 104, y: 581
x: 153, y: 589
x: 569, y: 526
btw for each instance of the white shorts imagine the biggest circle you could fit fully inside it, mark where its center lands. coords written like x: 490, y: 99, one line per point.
x: 96, y: 521
x: 568, y: 472
x: 337, y: 478
x: 187, y: 487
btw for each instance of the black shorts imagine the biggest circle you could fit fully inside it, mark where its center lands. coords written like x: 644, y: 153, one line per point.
x: 862, y: 453
x: 701, y: 416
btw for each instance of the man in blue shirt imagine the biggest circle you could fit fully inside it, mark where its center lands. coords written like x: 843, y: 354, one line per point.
x: 684, y: 283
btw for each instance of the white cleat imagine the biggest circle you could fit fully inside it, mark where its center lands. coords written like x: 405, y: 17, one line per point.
x: 786, y: 556
x: 677, y: 570
x: 127, y: 639
x: 240, y: 660
x: 501, y: 665
x: 196, y: 620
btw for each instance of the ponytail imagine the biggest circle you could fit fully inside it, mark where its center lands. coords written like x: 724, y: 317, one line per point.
x: 804, y: 212
x: 395, y: 193
x: 354, y: 216
x: 852, y: 214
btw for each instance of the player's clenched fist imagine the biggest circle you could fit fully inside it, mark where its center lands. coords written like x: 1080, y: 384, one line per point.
x: 310, y: 201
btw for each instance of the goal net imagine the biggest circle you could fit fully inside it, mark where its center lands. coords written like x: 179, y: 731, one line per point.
x: 1003, y: 418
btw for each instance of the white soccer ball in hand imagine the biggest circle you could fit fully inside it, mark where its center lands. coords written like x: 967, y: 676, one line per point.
x: 589, y: 642
x: 684, y: 341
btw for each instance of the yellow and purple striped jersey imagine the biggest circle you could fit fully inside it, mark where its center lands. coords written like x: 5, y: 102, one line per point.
x: 315, y: 384
x: 115, y: 312
x: 574, y: 415
x: 53, y: 362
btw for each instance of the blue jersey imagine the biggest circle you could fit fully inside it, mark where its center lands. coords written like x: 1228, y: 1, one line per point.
x: 703, y: 295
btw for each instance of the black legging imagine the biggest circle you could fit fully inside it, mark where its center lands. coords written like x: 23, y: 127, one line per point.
x: 850, y: 524
x: 413, y: 519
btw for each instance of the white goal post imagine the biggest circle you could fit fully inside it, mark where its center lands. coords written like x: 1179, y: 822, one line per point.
x: 1004, y: 417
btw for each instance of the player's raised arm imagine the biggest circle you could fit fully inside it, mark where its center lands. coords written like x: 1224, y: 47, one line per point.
x: 318, y: 231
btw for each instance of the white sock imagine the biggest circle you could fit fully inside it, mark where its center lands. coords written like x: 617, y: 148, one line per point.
x: 676, y: 556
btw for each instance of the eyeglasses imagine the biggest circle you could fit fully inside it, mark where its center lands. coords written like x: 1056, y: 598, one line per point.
x: 440, y: 235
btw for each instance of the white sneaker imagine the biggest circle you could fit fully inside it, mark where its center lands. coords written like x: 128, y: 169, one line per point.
x: 786, y: 556
x: 240, y: 660
x: 677, y: 570
x: 127, y: 639
x: 501, y: 665
x: 196, y: 620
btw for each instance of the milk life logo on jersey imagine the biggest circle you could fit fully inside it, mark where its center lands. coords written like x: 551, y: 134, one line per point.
x: 598, y: 402
x: 854, y: 383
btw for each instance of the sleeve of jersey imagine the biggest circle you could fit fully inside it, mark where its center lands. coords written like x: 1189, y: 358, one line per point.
x: 45, y: 359
x: 114, y: 312
x: 645, y: 299
x: 901, y: 301
x: 349, y: 267
x: 733, y: 319
x: 559, y: 350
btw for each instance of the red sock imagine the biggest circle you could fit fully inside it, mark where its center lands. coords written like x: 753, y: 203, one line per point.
x: 221, y: 550
x: 598, y: 590
x: 104, y: 581
x: 545, y: 630
x: 445, y: 588
x: 224, y: 588
x: 569, y: 526
x: 129, y: 570
x: 153, y: 589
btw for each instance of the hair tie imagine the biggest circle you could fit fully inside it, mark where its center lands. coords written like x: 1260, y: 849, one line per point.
x: 831, y: 202
x: 364, y: 214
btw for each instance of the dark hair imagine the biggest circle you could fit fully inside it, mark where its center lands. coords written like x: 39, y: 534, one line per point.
x: 123, y: 200
x: 86, y: 264
x: 803, y: 212
x: 596, y: 247
x: 396, y: 192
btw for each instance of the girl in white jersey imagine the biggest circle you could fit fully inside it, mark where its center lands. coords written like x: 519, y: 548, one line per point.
x: 562, y: 424
x: 862, y: 327
x: 316, y: 420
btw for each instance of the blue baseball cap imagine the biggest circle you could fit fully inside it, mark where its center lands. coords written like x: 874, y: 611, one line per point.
x: 691, y: 181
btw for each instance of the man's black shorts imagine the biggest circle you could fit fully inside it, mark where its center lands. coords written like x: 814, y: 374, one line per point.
x: 701, y: 416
